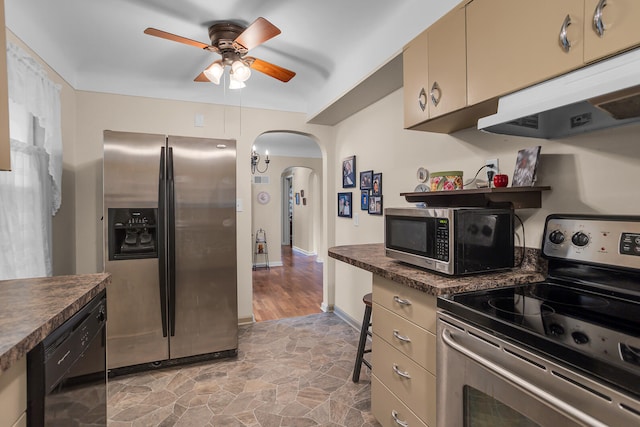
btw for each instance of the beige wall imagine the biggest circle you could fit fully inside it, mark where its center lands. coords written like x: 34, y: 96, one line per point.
x: 269, y: 216
x: 594, y: 173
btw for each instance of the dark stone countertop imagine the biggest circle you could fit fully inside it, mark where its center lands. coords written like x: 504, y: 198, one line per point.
x: 30, y: 309
x: 371, y: 257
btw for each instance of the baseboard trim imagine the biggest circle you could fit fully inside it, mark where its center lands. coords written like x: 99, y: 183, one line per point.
x: 246, y: 320
x: 271, y: 264
x: 326, y: 307
x: 350, y: 320
x: 302, y: 251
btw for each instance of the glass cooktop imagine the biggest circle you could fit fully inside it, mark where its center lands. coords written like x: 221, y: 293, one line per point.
x: 597, y: 332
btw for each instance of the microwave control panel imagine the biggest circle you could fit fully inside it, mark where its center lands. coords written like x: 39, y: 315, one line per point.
x: 442, y: 240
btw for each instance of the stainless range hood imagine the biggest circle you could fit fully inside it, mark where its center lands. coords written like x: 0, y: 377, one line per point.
x: 599, y: 96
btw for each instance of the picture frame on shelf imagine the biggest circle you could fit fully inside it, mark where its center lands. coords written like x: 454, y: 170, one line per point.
x: 376, y: 184
x: 365, y: 180
x: 524, y: 174
x: 345, y: 205
x: 364, y: 200
x: 349, y: 172
x: 375, y: 205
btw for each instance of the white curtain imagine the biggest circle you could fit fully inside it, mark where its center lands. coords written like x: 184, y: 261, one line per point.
x: 30, y: 194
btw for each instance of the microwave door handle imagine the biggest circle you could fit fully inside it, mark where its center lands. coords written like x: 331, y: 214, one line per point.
x: 580, y: 416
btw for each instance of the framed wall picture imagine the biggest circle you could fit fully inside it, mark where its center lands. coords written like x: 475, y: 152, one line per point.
x: 365, y: 180
x: 364, y: 200
x: 375, y: 205
x: 304, y: 201
x: 301, y: 193
x: 376, y: 184
x: 297, y: 198
x: 524, y: 174
x: 344, y: 204
x: 349, y: 172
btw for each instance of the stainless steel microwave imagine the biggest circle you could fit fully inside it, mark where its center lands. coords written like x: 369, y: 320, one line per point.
x: 452, y: 241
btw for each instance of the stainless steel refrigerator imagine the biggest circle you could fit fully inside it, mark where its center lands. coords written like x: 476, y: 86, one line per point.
x: 170, y: 246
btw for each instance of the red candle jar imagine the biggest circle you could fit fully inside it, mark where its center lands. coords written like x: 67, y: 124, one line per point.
x: 500, y: 180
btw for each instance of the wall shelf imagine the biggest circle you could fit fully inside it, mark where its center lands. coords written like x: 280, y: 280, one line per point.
x: 517, y: 197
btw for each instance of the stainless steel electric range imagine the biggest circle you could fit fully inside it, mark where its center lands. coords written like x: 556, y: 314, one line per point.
x: 565, y: 351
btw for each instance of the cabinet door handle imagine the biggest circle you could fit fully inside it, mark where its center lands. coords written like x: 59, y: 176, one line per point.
x: 564, y: 41
x: 435, y: 89
x: 403, y: 374
x: 398, y: 421
x: 396, y: 333
x: 401, y: 301
x: 422, y: 99
x: 598, y: 25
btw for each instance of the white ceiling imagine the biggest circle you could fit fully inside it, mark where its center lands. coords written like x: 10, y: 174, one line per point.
x: 332, y: 45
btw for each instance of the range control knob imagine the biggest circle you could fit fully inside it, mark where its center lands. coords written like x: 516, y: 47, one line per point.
x: 556, y: 329
x: 579, y: 337
x: 580, y: 239
x: 556, y: 237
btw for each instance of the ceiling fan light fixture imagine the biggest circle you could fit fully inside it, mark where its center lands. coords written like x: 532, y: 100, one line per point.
x: 241, y: 71
x: 235, y: 83
x: 214, y: 72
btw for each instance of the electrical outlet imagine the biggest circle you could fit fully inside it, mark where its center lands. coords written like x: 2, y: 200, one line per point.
x: 492, y: 166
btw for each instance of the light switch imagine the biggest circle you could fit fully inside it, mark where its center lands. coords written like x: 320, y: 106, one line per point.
x: 356, y: 219
x: 198, y: 121
x: 238, y: 205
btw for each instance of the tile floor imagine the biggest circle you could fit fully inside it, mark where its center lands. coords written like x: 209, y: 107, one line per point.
x: 289, y: 373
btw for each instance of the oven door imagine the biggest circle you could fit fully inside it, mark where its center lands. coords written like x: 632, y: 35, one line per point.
x: 483, y: 381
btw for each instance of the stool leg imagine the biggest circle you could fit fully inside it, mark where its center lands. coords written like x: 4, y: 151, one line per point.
x: 363, y: 341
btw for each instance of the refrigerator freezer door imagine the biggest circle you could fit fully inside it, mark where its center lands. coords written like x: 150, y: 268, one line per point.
x: 206, y: 314
x: 131, y: 179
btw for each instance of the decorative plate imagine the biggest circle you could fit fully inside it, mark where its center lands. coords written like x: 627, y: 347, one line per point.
x: 422, y: 174
x: 422, y: 188
x: 263, y: 197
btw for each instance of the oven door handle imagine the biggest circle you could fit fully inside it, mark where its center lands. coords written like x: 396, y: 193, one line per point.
x: 577, y: 415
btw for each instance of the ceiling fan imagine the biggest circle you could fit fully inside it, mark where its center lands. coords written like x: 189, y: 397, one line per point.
x: 233, y: 42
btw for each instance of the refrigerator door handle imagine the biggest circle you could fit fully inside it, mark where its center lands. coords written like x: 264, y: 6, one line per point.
x: 162, y: 266
x: 171, y: 255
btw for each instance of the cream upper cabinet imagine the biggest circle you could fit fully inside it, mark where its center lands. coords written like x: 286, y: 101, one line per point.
x: 512, y: 44
x: 610, y: 27
x: 415, y: 87
x: 447, y: 64
x: 5, y: 156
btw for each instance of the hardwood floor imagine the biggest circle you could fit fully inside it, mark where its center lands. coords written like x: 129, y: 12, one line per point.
x: 293, y: 290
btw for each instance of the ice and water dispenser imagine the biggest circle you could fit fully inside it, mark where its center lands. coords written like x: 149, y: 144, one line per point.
x: 132, y: 233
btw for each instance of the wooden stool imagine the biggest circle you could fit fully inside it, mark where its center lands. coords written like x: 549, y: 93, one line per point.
x: 364, y: 332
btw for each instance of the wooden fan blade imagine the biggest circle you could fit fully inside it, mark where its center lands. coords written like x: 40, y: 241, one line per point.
x: 257, y: 33
x: 272, y: 70
x: 173, y: 37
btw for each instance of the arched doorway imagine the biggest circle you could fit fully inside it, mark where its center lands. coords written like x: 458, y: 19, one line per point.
x: 291, y: 284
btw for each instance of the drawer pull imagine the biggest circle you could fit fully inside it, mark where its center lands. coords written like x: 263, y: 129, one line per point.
x: 398, y: 421
x: 422, y: 99
x: 564, y: 39
x: 401, y: 301
x: 396, y: 333
x: 598, y: 25
x: 403, y: 374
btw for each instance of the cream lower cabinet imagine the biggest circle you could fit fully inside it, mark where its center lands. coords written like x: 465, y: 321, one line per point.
x: 611, y: 26
x: 13, y: 395
x: 403, y: 356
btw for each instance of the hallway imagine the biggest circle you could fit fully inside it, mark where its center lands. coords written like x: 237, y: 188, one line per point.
x: 293, y: 290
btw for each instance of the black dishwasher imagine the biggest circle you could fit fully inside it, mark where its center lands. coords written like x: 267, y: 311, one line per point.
x: 67, y: 372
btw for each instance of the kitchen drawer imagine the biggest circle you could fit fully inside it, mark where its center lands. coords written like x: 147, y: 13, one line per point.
x: 417, y: 392
x: 13, y: 394
x: 395, y: 329
x: 385, y: 404
x: 412, y: 304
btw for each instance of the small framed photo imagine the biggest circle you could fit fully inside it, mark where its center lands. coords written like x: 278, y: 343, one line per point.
x: 364, y: 200
x: 524, y: 174
x: 375, y: 205
x: 297, y: 198
x: 376, y: 184
x: 349, y: 172
x: 344, y: 204
x: 365, y: 180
